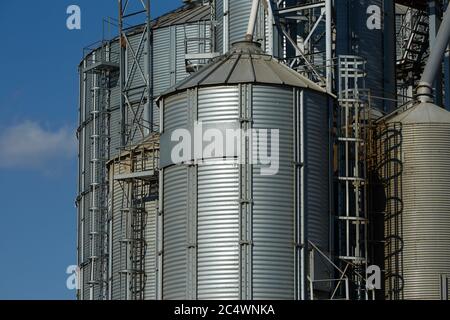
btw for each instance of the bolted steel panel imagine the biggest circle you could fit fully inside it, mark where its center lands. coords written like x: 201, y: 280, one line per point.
x: 150, y: 255
x: 425, y: 233
x: 244, y: 223
x: 218, y: 104
x: 317, y: 173
x: 218, y: 231
x: 118, y: 247
x: 175, y: 233
x: 273, y: 198
x: 114, y: 132
x: 170, y: 33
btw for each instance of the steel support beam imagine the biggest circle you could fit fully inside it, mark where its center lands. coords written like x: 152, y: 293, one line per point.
x: 136, y: 112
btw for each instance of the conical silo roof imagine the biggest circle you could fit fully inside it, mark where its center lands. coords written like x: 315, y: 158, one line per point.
x: 245, y: 63
x: 422, y: 113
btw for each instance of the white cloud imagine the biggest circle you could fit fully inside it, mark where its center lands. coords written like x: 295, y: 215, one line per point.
x: 29, y: 145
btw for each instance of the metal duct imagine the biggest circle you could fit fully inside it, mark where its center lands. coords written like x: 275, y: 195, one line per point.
x: 424, y: 91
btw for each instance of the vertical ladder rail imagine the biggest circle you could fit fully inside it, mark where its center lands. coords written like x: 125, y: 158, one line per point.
x: 352, y: 180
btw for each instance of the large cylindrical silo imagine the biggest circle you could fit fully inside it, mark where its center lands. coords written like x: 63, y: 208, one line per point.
x: 180, y: 32
x: 229, y: 228
x: 417, y: 233
x: 366, y: 28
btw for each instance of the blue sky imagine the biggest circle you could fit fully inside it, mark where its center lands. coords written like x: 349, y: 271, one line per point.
x: 38, y: 166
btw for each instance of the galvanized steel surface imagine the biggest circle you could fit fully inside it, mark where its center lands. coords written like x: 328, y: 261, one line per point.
x: 171, y: 29
x: 245, y: 63
x: 237, y: 15
x: 119, y: 209
x: 273, y: 197
x: 426, y: 200
x: 175, y: 233
x: 218, y: 231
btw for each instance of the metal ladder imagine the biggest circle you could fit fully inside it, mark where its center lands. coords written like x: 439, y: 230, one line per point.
x: 100, y: 140
x: 133, y: 223
x: 138, y: 178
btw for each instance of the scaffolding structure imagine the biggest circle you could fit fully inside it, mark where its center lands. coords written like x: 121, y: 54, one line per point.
x: 136, y: 167
x: 136, y: 81
x: 136, y: 171
x: 314, y: 46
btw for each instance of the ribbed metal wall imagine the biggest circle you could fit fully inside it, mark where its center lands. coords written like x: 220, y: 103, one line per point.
x: 118, y: 248
x: 317, y: 175
x: 218, y: 205
x: 203, y: 201
x: 118, y: 207
x: 426, y: 201
x: 175, y: 233
x: 273, y: 209
x: 169, y: 54
x: 218, y: 231
x: 169, y: 49
x: 151, y: 252
x: 238, y: 15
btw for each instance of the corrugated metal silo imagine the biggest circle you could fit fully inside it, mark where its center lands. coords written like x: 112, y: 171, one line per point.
x: 230, y: 232
x: 185, y: 30
x: 232, y: 20
x: 424, y: 231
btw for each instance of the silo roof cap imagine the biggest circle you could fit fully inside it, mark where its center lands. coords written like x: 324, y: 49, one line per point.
x: 245, y: 63
x: 422, y: 113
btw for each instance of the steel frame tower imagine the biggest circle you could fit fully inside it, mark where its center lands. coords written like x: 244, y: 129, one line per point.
x: 318, y: 28
x: 138, y: 181
x: 136, y: 100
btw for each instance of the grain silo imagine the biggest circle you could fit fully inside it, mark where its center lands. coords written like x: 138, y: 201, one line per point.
x: 417, y: 247
x: 416, y: 174
x: 228, y: 230
x: 105, y: 132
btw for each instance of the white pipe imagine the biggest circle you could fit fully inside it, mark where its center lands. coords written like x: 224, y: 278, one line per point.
x: 302, y: 198
x: 424, y: 91
x: 252, y: 20
x: 226, y: 24
x: 270, y: 26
